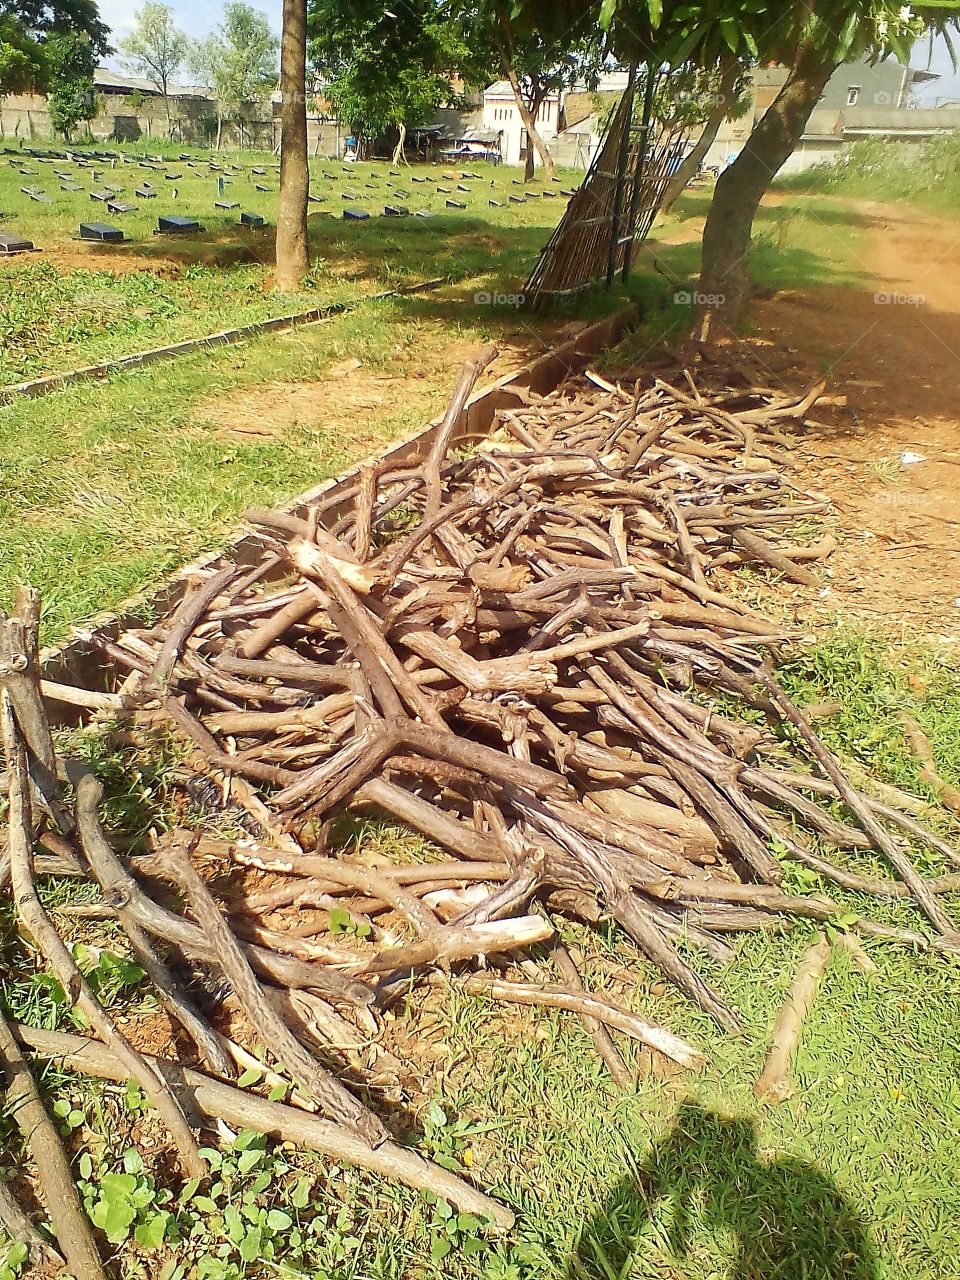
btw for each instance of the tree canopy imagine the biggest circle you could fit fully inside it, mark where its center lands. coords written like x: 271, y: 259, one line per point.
x: 156, y: 48
x: 383, y: 67
x: 28, y: 27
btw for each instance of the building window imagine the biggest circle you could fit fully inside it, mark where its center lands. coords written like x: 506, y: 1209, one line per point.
x: 853, y: 94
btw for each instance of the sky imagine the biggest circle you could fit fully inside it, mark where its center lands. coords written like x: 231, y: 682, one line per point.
x: 199, y: 17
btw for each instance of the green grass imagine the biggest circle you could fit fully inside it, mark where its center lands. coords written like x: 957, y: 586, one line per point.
x: 103, y: 301
x: 927, y: 175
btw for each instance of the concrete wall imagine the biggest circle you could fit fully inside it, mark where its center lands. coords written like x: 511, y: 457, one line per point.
x: 193, y: 120
x: 500, y: 115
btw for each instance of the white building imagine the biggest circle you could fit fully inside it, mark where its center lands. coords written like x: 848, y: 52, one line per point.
x: 501, y: 115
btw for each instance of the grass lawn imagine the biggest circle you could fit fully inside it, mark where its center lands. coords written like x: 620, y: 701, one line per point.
x: 80, y: 302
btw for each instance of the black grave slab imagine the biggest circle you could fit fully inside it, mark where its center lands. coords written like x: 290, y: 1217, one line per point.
x: 101, y: 231
x: 443, y: 191
x: 70, y: 186
x: 467, y: 190
x: 226, y: 204
x: 173, y: 224
x: 415, y: 179
x: 172, y: 177
x: 101, y: 196
x: 142, y: 193
x: 252, y: 220
x: 121, y: 206
x: 495, y: 204
x: 516, y: 199
x: 11, y: 244
x: 347, y: 195
x: 548, y: 195
x: 355, y: 215
x: 398, y: 193
x: 454, y: 204
x: 312, y: 199
x: 396, y: 211
x: 424, y: 213
x: 565, y: 191
x: 258, y: 169
x: 260, y: 187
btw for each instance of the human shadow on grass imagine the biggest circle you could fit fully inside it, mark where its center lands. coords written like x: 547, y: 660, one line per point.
x: 789, y: 1221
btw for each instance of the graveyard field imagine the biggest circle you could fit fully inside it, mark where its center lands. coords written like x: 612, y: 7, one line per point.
x: 77, y: 302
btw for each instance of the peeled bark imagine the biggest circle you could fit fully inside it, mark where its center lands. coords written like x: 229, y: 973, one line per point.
x: 692, y: 162
x: 292, y: 255
x: 727, y: 234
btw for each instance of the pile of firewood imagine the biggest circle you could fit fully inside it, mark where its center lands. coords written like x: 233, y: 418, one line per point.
x: 519, y: 650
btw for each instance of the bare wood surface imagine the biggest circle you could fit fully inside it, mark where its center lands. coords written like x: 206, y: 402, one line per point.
x: 775, y: 1083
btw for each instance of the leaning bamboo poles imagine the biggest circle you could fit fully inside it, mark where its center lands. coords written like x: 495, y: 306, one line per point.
x: 614, y: 207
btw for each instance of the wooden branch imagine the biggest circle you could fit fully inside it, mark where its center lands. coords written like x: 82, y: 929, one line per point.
x: 318, y: 1083
x: 243, y: 1109
x: 58, y: 956
x: 70, y: 1224
x: 775, y: 1083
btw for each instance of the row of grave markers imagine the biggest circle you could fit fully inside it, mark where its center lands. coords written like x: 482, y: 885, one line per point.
x: 111, y: 196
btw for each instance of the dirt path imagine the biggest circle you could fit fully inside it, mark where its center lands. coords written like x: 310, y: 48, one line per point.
x: 898, y: 363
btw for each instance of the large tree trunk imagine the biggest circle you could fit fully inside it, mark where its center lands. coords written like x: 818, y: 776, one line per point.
x: 219, y: 129
x: 692, y: 162
x: 529, y: 119
x: 292, y: 256
x: 726, y: 237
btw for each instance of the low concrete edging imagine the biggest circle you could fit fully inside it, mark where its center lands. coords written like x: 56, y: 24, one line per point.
x: 50, y: 382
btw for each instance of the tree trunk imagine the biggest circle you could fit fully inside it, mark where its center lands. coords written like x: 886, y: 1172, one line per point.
x: 398, y: 155
x: 692, y: 162
x: 219, y: 129
x: 727, y: 234
x: 529, y: 119
x: 528, y: 165
x: 292, y: 255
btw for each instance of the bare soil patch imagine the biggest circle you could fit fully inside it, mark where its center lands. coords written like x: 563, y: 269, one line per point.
x: 889, y: 460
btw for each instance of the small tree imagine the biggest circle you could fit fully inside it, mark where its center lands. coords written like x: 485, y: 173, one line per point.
x: 383, y: 67
x: 238, y: 62
x: 70, y: 89
x: 21, y: 58
x: 156, y: 49
x: 538, y: 55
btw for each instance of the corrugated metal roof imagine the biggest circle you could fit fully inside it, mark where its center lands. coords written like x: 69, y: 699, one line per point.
x: 104, y: 78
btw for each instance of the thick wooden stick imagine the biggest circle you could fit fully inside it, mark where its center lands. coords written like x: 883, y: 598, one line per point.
x: 602, y: 1039
x: 19, y: 1227
x: 57, y: 954
x: 605, y: 1011
x: 71, y: 1225
x: 775, y: 1083
x: 245, y: 1110
x: 283, y: 1045
x: 908, y: 872
x: 102, y: 861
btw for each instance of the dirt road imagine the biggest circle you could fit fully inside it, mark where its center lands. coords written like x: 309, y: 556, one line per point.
x: 890, y: 459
